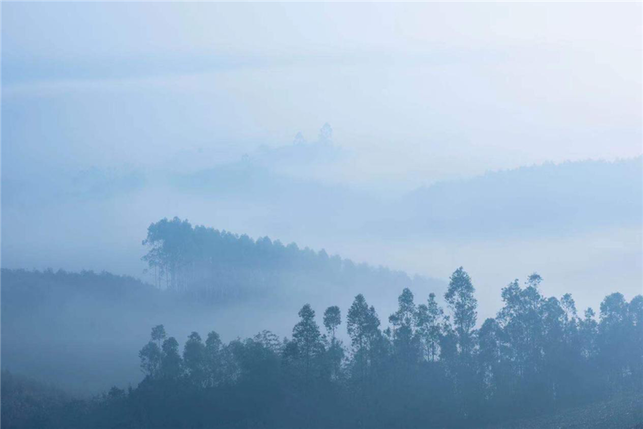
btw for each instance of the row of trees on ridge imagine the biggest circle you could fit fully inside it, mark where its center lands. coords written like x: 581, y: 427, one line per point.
x: 431, y: 367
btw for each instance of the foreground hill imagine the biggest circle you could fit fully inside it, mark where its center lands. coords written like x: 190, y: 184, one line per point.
x: 537, y: 364
x: 621, y: 412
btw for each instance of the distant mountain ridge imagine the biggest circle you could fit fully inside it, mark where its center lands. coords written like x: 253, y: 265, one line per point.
x: 544, y: 199
x: 540, y: 199
x: 547, y: 198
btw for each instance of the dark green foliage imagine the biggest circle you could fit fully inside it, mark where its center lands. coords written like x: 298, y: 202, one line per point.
x: 537, y: 363
x: 194, y: 360
x: 29, y: 404
x: 171, y: 363
x: 363, y: 325
x: 332, y: 319
x: 306, y: 335
x: 619, y: 412
x: 463, y: 305
x: 151, y: 359
x: 429, y: 322
x: 151, y: 354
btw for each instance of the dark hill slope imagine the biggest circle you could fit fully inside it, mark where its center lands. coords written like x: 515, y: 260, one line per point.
x: 621, y: 412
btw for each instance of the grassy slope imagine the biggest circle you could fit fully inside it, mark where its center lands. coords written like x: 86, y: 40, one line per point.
x: 623, y: 412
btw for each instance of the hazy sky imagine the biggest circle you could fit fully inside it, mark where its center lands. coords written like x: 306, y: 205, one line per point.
x: 419, y: 91
x: 116, y: 115
x: 415, y: 93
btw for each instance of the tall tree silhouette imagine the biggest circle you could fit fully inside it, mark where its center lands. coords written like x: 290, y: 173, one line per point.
x: 462, y: 302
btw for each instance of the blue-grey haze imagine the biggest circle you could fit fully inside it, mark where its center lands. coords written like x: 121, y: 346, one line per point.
x: 505, y: 138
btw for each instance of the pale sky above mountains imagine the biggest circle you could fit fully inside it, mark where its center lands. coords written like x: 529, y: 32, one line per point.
x: 415, y: 94
x: 418, y: 92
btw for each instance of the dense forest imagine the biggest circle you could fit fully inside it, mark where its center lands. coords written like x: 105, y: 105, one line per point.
x: 220, y: 265
x: 198, y: 278
x: 430, y: 367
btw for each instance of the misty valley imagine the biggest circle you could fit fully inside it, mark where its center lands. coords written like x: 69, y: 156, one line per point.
x: 321, y: 215
x: 100, y: 350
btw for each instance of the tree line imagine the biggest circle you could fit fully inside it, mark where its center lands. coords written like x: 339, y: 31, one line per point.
x: 430, y: 367
x: 220, y: 265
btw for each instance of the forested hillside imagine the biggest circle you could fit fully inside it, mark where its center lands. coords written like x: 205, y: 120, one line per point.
x: 221, y: 265
x: 623, y: 411
x: 562, y: 213
x: 198, y: 277
x: 538, y: 200
x: 430, y: 366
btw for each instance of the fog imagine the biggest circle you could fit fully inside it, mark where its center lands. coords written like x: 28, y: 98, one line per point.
x: 421, y: 138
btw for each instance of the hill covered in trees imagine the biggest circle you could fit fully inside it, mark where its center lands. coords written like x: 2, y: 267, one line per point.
x: 621, y: 411
x: 563, y: 213
x: 548, y: 199
x: 432, y: 366
x: 199, y: 277
x: 76, y: 330
x: 220, y: 265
